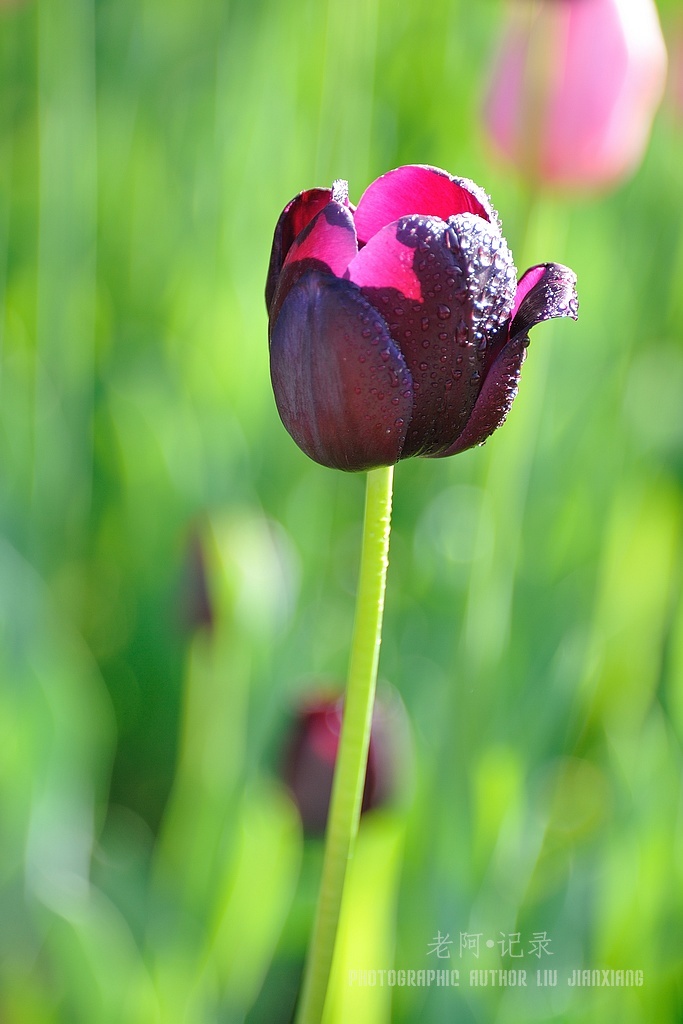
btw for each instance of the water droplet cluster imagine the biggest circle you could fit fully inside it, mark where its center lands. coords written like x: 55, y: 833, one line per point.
x: 490, y: 279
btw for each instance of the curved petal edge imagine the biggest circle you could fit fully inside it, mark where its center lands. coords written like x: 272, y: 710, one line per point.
x: 299, y: 212
x: 544, y: 292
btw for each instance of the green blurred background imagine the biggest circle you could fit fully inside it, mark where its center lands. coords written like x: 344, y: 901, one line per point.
x: 152, y: 866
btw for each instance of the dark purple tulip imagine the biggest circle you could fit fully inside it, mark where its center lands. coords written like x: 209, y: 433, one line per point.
x: 398, y: 327
x: 311, y: 754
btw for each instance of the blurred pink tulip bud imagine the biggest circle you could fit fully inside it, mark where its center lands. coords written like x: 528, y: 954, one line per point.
x: 575, y: 87
x: 675, y: 96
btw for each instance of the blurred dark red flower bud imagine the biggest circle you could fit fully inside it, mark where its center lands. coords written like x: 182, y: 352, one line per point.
x: 311, y: 753
x: 575, y: 87
x: 196, y: 606
x: 398, y: 327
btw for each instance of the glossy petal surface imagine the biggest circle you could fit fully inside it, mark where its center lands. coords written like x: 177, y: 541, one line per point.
x: 445, y: 290
x: 417, y: 189
x: 327, y: 243
x: 293, y: 219
x: 341, y: 385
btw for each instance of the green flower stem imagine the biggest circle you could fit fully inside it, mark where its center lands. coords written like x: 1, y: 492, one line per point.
x: 349, y: 778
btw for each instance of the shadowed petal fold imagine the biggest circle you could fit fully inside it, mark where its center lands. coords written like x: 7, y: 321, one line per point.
x: 327, y: 243
x: 341, y: 385
x: 293, y: 219
x: 495, y: 399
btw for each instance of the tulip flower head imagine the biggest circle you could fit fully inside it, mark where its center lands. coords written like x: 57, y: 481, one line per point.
x: 574, y: 89
x: 398, y: 327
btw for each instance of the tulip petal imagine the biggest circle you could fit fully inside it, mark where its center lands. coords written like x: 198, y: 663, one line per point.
x: 418, y: 189
x: 330, y: 237
x: 446, y: 291
x: 496, y: 398
x: 491, y: 278
x: 341, y: 385
x: 293, y: 219
x: 543, y: 293
x: 327, y: 243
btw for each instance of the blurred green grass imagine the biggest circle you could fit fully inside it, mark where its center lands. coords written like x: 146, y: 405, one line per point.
x: 151, y: 866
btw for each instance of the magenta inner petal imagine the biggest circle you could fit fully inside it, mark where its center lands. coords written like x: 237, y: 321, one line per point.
x: 386, y: 262
x: 330, y: 238
x: 341, y: 385
x: 414, y: 189
x: 527, y: 281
